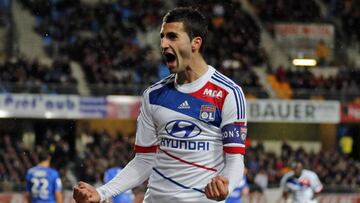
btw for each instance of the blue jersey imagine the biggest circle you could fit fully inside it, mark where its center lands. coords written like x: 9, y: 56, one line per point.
x: 42, y: 183
x: 235, y: 196
x: 125, y: 197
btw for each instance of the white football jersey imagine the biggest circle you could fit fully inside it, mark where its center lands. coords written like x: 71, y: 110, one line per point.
x: 190, y: 126
x: 302, y: 188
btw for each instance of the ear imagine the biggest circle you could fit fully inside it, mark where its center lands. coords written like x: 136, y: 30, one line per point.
x: 196, y: 43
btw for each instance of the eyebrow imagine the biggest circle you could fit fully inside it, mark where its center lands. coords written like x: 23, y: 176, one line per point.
x: 171, y: 34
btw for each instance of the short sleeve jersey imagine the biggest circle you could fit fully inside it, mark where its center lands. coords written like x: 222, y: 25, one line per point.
x: 190, y: 127
x: 302, y: 188
x: 42, y: 183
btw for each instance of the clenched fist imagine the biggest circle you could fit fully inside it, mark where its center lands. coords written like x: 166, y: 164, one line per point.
x: 85, y: 193
x: 218, y: 188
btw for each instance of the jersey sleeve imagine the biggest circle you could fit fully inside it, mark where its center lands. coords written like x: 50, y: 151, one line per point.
x: 135, y: 173
x: 146, y: 140
x: 234, y: 122
x: 58, y: 183
x: 316, y: 184
x: 283, y: 182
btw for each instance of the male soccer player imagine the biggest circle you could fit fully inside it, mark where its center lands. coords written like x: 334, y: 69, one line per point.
x: 125, y: 197
x: 191, y: 131
x: 43, y: 184
x: 301, y: 183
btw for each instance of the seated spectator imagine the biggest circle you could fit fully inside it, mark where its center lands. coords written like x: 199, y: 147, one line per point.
x: 23, y: 75
x: 104, y: 39
x: 322, y: 53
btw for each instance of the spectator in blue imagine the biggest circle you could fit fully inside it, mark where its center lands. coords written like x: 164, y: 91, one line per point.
x: 43, y: 183
x: 125, y: 197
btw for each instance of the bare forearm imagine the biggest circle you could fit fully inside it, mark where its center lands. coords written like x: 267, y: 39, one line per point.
x: 28, y: 197
x: 59, y: 197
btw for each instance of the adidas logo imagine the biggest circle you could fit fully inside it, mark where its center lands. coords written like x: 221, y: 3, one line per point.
x: 184, y: 105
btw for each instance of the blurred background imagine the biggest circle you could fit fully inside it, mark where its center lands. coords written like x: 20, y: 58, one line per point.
x: 72, y: 71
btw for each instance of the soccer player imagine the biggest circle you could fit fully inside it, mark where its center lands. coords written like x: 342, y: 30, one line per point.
x: 43, y: 183
x: 191, y: 131
x: 301, y: 183
x: 125, y: 197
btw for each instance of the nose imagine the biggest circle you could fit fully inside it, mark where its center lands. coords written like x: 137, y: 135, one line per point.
x: 164, y: 43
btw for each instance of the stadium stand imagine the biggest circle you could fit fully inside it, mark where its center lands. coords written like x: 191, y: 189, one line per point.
x: 92, y: 149
x: 304, y: 84
x: 347, y: 12
x: 337, y: 171
x: 100, y: 146
x: 292, y: 11
x: 24, y: 75
x: 329, y: 165
x: 104, y: 39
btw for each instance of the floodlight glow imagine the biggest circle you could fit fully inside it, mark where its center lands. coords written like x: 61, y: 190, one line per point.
x: 304, y: 62
x: 4, y: 114
x: 49, y: 115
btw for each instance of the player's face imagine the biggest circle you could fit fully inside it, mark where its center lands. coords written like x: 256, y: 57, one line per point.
x: 297, y: 169
x: 176, y: 46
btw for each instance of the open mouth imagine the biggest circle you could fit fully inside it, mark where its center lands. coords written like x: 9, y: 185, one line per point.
x: 169, y: 57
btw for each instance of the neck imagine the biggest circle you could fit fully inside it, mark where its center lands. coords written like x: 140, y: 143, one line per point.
x: 45, y: 163
x: 193, y: 71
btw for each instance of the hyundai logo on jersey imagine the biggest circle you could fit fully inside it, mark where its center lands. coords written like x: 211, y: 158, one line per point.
x: 207, y: 113
x: 234, y: 133
x: 182, y: 129
x: 185, y: 144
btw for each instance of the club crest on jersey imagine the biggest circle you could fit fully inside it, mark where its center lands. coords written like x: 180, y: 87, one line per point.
x: 207, y: 113
x: 243, y: 132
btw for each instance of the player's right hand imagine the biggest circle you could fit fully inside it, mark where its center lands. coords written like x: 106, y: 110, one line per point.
x: 85, y: 193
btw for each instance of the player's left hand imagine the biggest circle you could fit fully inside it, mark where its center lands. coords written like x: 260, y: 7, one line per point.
x: 85, y: 193
x: 218, y: 188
